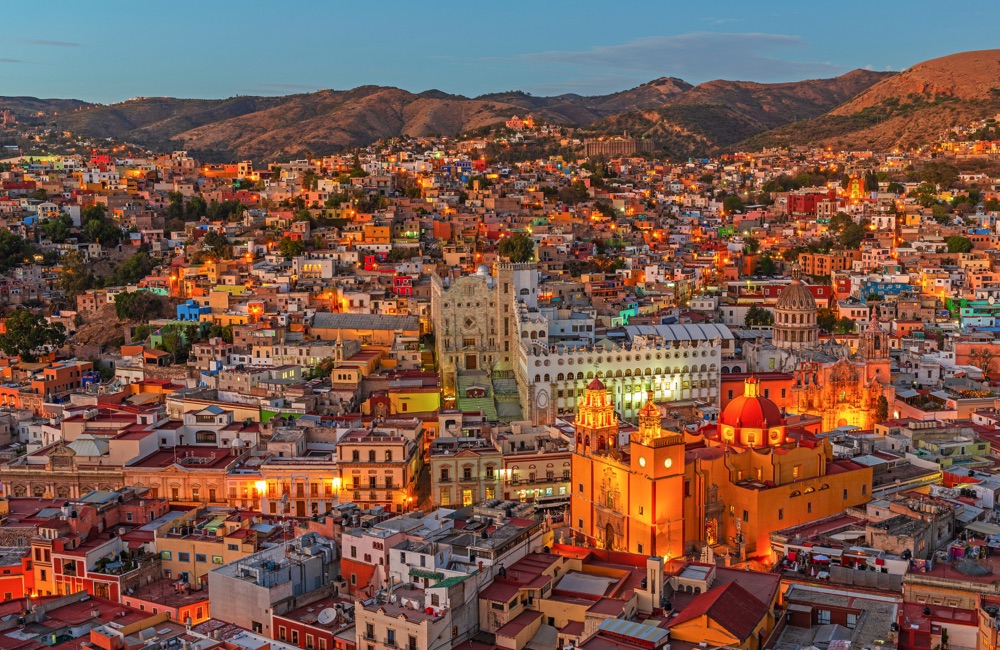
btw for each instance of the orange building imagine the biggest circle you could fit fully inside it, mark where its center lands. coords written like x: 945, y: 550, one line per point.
x: 775, y: 386
x: 727, y: 486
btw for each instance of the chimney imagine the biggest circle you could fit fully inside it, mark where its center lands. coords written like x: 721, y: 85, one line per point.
x: 654, y: 578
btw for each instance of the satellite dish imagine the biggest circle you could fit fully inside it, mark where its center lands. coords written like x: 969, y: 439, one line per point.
x: 327, y: 616
x: 993, y: 299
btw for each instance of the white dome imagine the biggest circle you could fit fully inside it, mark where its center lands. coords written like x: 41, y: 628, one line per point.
x: 483, y: 271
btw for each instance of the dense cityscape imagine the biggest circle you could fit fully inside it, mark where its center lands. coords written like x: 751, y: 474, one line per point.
x: 534, y: 385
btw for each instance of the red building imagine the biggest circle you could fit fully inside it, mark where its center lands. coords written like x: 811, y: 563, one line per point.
x: 314, y: 626
x: 402, y: 285
x: 805, y: 203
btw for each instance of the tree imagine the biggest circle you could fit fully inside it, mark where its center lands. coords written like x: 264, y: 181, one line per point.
x: 518, y: 248
x: 873, y: 297
x: 852, y: 235
x: 132, y: 270
x: 895, y: 188
x: 27, y: 333
x: 844, y: 325
x: 826, y: 319
x: 575, y: 192
x: 751, y: 246
x: 957, y: 244
x: 291, y: 247
x: 940, y: 214
x: 881, y: 409
x: 757, y: 316
x: 322, y: 369
x: 57, y: 229
x: 732, y: 203
x: 871, y: 182
x: 13, y: 250
x: 217, y: 245
x: 137, y: 305
x: 223, y: 332
x: 76, y: 275
x: 766, y: 266
x: 983, y: 358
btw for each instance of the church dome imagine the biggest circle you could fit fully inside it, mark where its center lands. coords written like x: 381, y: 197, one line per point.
x: 751, y: 411
x: 597, y: 384
x: 795, y: 297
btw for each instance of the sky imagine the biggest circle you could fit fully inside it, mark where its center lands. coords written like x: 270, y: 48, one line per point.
x: 109, y: 51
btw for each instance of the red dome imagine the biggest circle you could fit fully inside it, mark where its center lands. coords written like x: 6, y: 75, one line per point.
x: 752, y: 413
x: 597, y: 384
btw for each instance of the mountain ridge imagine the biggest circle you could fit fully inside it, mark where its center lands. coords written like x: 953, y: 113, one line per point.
x: 692, y: 119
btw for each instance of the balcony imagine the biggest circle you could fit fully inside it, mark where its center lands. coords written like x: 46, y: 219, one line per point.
x: 444, y: 479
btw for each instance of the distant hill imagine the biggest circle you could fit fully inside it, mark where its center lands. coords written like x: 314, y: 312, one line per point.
x: 717, y: 114
x: 909, y: 108
x: 686, y: 119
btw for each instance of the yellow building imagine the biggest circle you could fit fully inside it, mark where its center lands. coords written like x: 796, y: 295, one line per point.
x: 728, y: 486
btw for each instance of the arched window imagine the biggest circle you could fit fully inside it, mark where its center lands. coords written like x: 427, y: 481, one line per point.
x: 371, y: 455
x: 388, y: 455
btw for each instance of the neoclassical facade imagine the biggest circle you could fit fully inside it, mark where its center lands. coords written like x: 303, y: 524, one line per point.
x: 675, y: 362
x: 495, y: 324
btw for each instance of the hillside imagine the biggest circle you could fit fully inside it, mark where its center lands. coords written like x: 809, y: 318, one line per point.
x: 687, y: 119
x: 717, y: 114
x: 911, y: 108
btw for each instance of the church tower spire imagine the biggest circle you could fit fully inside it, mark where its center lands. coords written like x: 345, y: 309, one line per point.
x: 596, y: 424
x: 650, y: 419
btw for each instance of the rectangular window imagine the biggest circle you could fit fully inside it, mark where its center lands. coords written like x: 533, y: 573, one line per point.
x: 809, y: 507
x: 746, y: 515
x: 165, y: 555
x: 581, y: 488
x: 216, y: 559
x: 845, y: 494
x: 233, y: 547
x: 200, y: 557
x: 823, y: 616
x: 183, y: 557
x: 781, y: 514
x: 640, y: 549
x: 796, y: 471
x: 864, y: 489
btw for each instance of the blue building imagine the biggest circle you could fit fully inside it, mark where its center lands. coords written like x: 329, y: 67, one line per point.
x: 191, y: 311
x: 883, y: 289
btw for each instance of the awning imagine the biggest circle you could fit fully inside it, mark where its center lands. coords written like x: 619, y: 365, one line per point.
x: 820, y: 558
x: 983, y: 528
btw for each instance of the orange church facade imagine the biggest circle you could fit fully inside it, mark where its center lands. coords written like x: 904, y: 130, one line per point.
x: 728, y: 486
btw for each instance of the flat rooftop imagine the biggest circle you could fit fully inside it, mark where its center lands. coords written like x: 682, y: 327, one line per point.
x: 188, y: 457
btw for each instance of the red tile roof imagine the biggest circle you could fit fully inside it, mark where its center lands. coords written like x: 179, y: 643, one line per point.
x: 730, y: 606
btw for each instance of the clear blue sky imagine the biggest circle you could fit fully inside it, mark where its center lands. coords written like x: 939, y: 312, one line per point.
x: 109, y: 51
